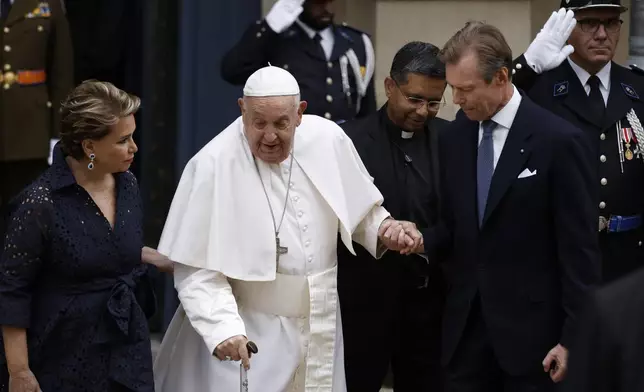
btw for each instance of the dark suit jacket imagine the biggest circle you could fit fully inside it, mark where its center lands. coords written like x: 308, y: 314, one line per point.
x: 560, y: 91
x: 607, y: 355
x: 320, y: 80
x: 536, y: 256
x: 30, y: 113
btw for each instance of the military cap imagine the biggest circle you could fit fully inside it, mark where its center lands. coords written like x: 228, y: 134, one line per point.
x: 576, y: 5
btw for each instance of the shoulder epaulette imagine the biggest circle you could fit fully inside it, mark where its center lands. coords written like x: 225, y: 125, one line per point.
x: 345, y: 26
x: 637, y: 69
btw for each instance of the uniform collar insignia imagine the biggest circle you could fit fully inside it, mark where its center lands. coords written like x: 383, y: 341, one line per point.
x: 41, y: 11
x: 630, y: 91
x: 560, y: 88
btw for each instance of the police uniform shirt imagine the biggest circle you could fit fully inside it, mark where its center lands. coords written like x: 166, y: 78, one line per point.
x: 327, y: 40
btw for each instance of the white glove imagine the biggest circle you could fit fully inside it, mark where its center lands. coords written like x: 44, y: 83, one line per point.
x: 52, y: 143
x: 549, y: 49
x: 283, y: 14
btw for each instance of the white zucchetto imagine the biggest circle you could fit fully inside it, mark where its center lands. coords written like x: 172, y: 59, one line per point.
x: 271, y: 82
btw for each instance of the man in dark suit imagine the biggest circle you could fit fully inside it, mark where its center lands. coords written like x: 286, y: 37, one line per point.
x: 333, y: 64
x: 602, y: 98
x: 386, y: 301
x: 607, y: 355
x: 517, y: 191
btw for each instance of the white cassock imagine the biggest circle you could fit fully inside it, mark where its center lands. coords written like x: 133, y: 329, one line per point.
x: 220, y: 229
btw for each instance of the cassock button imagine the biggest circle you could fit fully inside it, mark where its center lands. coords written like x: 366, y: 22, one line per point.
x: 602, y: 205
x: 639, y: 243
x: 310, y: 259
x: 296, y: 198
x: 305, y: 228
x: 263, y: 29
x: 290, y: 184
x: 300, y: 214
x: 258, y: 35
x: 307, y: 243
x: 327, y: 115
x: 602, y: 136
x: 329, y: 98
x: 604, y: 181
x: 602, y: 158
x: 285, y: 66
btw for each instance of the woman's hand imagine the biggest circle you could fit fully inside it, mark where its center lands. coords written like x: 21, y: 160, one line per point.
x: 23, y: 381
x: 152, y: 256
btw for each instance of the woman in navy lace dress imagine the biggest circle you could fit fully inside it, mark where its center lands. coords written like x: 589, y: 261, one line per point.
x: 74, y: 293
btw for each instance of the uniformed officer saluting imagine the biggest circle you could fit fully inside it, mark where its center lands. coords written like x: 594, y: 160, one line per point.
x: 605, y: 100
x: 333, y: 64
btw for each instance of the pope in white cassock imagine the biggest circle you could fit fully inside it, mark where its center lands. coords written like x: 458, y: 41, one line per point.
x: 253, y: 231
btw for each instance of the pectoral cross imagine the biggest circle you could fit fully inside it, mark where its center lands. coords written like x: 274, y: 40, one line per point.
x: 281, y: 250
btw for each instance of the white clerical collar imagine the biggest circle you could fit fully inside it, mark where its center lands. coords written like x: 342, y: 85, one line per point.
x: 505, y: 116
x: 406, y: 135
x: 325, y: 34
x: 583, y: 75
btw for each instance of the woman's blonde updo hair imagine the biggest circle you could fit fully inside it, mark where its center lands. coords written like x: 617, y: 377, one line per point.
x: 89, y: 111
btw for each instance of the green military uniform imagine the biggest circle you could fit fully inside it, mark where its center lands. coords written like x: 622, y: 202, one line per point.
x: 36, y: 73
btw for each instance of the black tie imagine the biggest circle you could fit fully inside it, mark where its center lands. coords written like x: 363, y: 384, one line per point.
x: 317, y: 38
x: 5, y: 7
x: 597, y: 104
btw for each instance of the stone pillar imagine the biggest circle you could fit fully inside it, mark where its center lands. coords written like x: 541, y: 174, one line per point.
x: 636, y: 44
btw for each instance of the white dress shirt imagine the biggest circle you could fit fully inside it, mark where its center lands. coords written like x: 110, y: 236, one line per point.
x: 503, y: 119
x: 328, y: 39
x: 603, y: 75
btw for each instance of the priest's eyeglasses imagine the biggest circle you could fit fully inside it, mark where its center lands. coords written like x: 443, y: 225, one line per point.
x: 591, y: 25
x: 432, y: 106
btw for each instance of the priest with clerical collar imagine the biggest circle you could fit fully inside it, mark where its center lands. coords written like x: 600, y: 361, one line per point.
x: 253, y: 229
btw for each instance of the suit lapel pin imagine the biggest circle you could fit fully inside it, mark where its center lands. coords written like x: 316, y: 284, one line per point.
x: 560, y: 89
x: 630, y: 91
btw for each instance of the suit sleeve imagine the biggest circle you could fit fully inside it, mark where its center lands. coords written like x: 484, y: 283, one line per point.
x: 60, y: 64
x: 575, y: 218
x: 251, y: 53
x: 593, y: 361
x: 524, y: 76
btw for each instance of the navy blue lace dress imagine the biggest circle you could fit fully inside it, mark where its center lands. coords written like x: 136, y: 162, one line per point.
x: 78, y: 286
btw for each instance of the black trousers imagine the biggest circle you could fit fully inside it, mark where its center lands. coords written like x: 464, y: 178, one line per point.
x: 397, y: 327
x: 14, y: 177
x: 474, y: 367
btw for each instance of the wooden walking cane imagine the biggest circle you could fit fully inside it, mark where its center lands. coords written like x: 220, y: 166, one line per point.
x: 243, y: 376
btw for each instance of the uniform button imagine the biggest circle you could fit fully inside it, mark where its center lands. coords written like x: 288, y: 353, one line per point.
x: 285, y: 66
x: 514, y: 71
x: 602, y: 205
x: 48, y: 104
x: 300, y: 214
x: 604, y: 181
x: 305, y: 228
x: 327, y: 115
x: 602, y: 136
x: 602, y: 158
x: 40, y: 28
x: 6, y: 86
x: 519, y: 66
x: 258, y: 35
x: 7, y: 67
x: 329, y: 65
x: 7, y: 48
x: 263, y: 29
x: 639, y: 243
x: 258, y: 22
x: 6, y: 30
x: 329, y: 81
x: 329, y: 98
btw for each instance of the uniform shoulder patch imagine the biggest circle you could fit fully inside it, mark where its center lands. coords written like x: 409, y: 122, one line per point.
x: 344, y: 27
x: 637, y: 69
